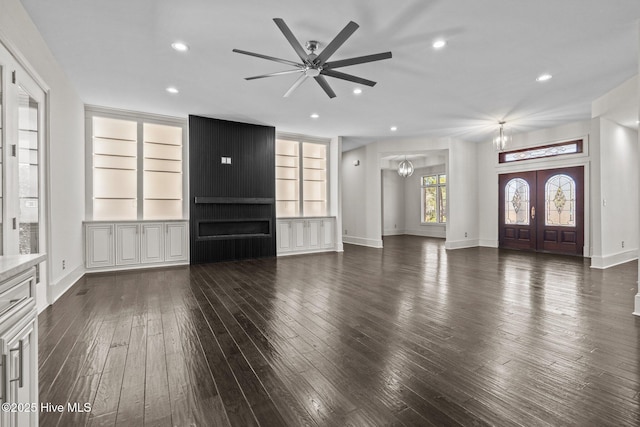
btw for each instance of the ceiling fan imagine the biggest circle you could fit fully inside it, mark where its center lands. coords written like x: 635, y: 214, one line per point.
x: 316, y: 65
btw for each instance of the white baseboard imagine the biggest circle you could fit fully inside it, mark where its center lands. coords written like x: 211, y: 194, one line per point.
x: 307, y: 251
x: 57, y: 289
x: 486, y: 243
x: 135, y: 267
x: 428, y: 231
x: 361, y: 241
x: 393, y: 232
x: 461, y: 244
x: 606, y: 261
x: 636, y: 308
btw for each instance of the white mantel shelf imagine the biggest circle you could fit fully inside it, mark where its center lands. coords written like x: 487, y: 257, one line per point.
x: 11, y: 265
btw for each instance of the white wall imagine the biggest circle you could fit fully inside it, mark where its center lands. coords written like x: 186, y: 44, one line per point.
x: 393, y: 201
x: 488, y: 170
x: 618, y: 199
x: 335, y: 187
x: 354, y: 197
x: 463, y: 222
x: 66, y: 146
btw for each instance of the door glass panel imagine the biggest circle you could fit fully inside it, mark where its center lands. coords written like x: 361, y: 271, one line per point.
x: 560, y: 201
x: 516, y: 203
x: 28, y: 169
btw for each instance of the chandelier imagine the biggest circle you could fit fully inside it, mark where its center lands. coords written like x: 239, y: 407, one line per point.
x: 405, y: 168
x: 502, y: 138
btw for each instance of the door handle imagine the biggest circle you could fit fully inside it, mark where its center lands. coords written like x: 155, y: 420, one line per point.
x: 20, y: 351
x: 533, y: 212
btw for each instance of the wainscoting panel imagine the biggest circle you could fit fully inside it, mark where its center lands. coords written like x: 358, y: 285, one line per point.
x: 232, y: 190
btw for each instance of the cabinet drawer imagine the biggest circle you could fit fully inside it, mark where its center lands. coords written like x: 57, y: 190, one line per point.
x: 17, y: 290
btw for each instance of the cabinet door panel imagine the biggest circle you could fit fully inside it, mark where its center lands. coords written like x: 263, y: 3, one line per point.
x: 284, y: 236
x: 315, y: 233
x: 176, y: 242
x: 20, y: 373
x: 299, y: 235
x: 152, y: 243
x: 328, y: 233
x: 99, y: 245
x: 127, y: 244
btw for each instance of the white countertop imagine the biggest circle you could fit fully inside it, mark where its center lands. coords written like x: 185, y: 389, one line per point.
x: 11, y: 265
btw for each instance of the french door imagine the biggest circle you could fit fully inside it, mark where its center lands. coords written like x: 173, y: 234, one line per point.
x: 542, y: 210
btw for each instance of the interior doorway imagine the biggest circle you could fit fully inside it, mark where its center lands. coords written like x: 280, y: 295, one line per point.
x: 542, y: 210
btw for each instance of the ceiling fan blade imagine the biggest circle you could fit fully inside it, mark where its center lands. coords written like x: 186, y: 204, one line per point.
x: 325, y: 86
x: 279, y: 73
x: 358, y: 60
x: 293, y: 41
x: 270, y: 58
x: 295, y: 85
x: 348, y: 77
x: 331, y: 48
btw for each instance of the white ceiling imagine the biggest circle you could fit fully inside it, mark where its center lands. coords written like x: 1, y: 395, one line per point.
x: 118, y: 54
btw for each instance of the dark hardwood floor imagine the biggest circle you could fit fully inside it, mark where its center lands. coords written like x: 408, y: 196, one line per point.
x: 408, y: 335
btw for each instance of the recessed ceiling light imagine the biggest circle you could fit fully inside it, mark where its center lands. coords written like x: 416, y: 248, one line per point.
x: 357, y: 91
x: 543, y: 77
x: 314, y: 115
x: 394, y: 128
x: 180, y: 47
x: 172, y: 89
x: 439, y: 44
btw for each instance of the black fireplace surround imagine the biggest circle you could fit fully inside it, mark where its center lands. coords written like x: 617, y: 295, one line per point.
x: 231, y: 189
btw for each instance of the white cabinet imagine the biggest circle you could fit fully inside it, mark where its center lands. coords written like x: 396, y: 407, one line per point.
x: 128, y: 244
x: 19, y: 359
x: 284, y: 236
x: 19, y: 342
x: 123, y: 245
x: 328, y: 233
x: 176, y: 241
x: 99, y: 245
x: 152, y: 243
x: 304, y: 235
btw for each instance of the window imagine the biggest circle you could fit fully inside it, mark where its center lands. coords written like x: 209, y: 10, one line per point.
x: 301, y: 178
x: 136, y: 167
x: 553, y: 150
x: 433, y: 190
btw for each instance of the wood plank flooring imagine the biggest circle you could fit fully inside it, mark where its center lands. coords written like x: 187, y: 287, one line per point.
x: 408, y: 335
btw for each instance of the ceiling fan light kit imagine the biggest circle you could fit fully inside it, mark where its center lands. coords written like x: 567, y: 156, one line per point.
x: 317, y: 65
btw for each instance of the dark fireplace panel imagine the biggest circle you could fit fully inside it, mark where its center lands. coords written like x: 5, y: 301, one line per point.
x: 234, y: 229
x: 231, y: 189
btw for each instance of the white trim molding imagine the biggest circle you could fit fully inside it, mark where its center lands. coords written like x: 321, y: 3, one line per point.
x: 57, y: 289
x: 461, y: 244
x: 361, y: 241
x: 606, y: 261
